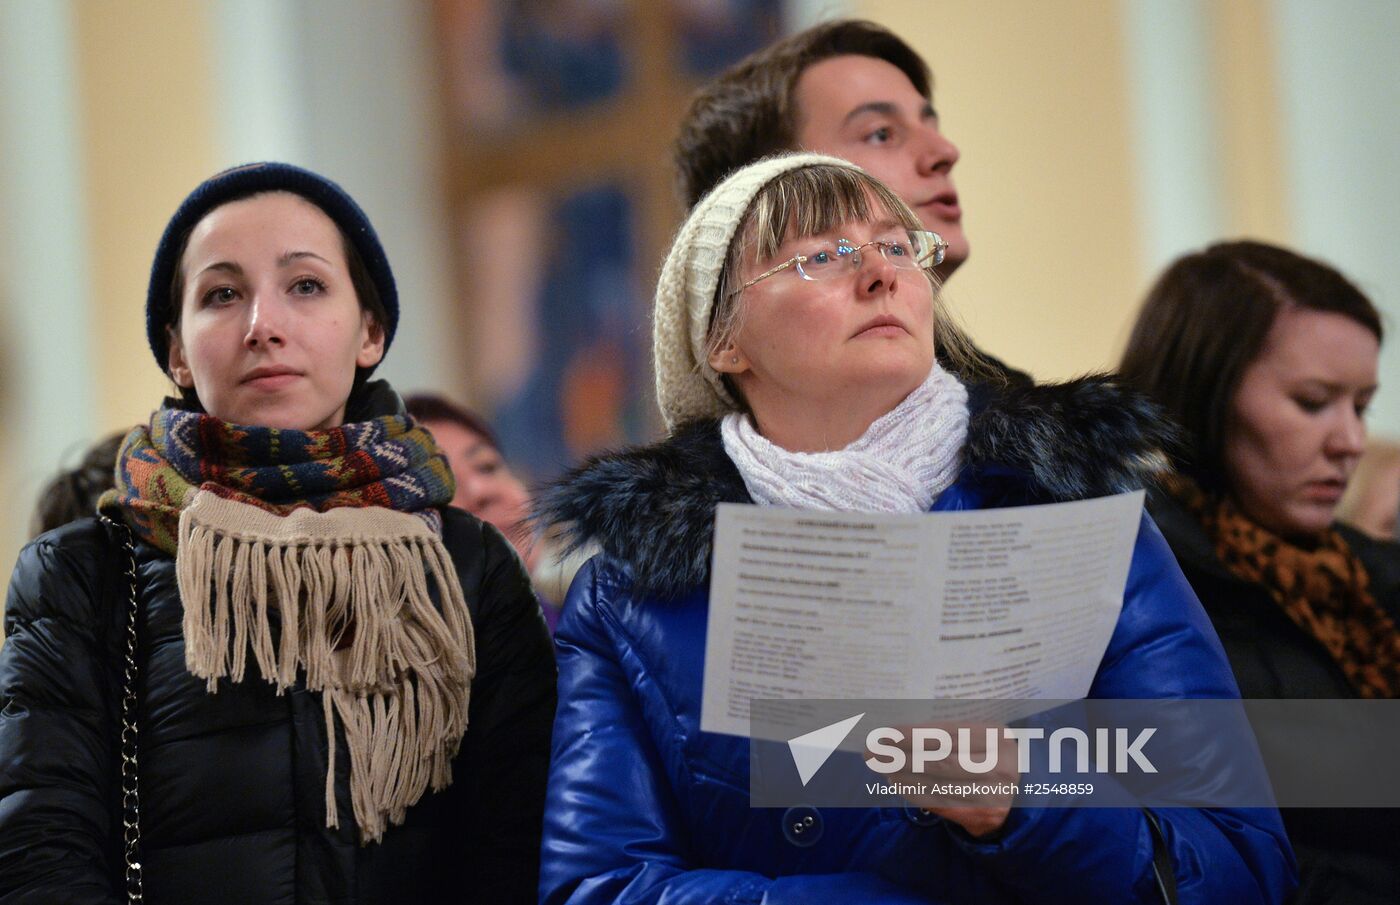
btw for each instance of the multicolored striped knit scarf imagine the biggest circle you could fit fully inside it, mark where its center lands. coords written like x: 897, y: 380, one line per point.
x: 315, y: 555
x: 388, y: 461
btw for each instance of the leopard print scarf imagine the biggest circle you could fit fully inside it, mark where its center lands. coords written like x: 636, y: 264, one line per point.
x: 1324, y: 591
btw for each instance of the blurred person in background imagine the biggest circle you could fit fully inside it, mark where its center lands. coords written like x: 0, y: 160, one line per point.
x: 849, y: 88
x: 489, y: 489
x: 1371, y: 503
x: 73, y: 493
x: 795, y: 326
x: 279, y: 534
x: 1268, y: 361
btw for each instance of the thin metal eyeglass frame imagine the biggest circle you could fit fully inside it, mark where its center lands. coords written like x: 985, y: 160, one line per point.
x: 939, y: 245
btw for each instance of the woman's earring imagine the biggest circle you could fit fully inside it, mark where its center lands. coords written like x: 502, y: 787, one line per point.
x: 734, y: 359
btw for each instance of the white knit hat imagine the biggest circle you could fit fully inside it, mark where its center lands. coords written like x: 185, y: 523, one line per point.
x: 686, y: 386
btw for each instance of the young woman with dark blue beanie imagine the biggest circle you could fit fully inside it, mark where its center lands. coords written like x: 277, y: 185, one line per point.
x: 278, y: 668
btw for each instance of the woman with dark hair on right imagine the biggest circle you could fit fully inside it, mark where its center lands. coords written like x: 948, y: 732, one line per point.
x: 1268, y: 361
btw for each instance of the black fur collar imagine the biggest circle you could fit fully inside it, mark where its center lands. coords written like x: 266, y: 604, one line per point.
x: 652, y: 508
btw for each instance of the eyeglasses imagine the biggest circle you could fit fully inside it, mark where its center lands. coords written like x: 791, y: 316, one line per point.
x: 913, y: 249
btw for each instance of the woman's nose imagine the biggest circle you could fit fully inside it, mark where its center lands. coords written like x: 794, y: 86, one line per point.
x: 874, y: 273
x: 1348, y: 436
x: 266, y: 322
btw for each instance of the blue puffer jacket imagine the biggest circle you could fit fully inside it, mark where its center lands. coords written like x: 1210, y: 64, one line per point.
x: 643, y: 807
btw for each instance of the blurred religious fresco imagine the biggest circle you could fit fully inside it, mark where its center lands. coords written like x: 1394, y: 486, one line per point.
x: 559, y: 116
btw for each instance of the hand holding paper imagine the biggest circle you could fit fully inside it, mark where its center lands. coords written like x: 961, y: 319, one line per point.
x: 961, y: 772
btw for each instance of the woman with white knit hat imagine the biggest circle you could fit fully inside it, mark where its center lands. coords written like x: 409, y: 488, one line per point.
x: 795, y: 327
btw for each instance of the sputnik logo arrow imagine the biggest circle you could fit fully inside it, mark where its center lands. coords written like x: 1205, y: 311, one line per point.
x: 812, y: 750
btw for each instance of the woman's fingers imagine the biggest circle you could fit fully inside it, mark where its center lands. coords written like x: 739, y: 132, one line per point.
x: 966, y: 773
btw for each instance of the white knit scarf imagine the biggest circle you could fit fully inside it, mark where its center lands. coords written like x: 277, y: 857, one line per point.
x: 903, y: 461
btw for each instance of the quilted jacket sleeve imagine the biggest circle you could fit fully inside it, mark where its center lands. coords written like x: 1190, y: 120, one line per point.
x: 1163, y: 648
x: 613, y: 833
x: 58, y: 725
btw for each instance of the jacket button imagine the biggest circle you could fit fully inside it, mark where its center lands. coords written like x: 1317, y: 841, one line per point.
x: 919, y: 816
x: 802, y: 826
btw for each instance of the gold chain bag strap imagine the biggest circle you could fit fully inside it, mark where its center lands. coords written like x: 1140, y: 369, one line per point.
x: 131, y: 797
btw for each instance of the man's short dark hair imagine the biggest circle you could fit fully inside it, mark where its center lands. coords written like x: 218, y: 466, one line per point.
x: 748, y: 112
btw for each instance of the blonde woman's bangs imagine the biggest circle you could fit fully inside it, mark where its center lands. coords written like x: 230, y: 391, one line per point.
x: 815, y: 200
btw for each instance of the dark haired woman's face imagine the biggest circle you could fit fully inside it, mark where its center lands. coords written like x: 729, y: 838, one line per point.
x: 1296, y: 429
x: 271, y: 330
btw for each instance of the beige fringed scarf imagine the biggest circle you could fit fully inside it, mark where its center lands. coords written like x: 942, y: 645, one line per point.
x: 344, y: 595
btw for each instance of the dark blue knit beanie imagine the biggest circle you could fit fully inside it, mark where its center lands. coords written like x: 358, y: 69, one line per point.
x: 252, y: 179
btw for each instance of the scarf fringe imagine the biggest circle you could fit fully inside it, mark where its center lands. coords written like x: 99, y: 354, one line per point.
x: 346, y: 597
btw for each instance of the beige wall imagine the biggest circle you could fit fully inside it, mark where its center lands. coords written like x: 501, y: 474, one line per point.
x: 147, y: 113
x: 1256, y: 194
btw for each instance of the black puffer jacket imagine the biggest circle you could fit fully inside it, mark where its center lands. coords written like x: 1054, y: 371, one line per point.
x: 233, y: 784
x: 1349, y: 856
